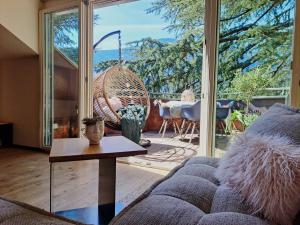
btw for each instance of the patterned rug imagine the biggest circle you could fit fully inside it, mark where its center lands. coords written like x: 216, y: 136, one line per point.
x: 164, y: 153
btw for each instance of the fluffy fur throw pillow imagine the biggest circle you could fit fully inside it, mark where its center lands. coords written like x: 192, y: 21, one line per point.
x: 265, y: 170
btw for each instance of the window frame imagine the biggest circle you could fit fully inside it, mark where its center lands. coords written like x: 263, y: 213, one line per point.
x: 81, y: 66
x: 209, y: 64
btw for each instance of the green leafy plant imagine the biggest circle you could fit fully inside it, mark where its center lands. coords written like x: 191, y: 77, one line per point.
x: 247, y: 85
x: 234, y: 116
x: 249, y: 118
x: 246, y: 119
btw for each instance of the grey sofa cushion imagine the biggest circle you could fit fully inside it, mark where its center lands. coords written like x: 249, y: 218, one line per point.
x: 162, y: 210
x: 9, y: 210
x: 195, y: 190
x: 187, y: 196
x: 279, y: 119
x: 16, y: 213
x: 199, y: 170
x: 231, y: 218
x: 214, y: 162
x: 225, y: 200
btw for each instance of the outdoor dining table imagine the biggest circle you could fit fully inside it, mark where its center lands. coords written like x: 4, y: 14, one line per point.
x: 176, y: 107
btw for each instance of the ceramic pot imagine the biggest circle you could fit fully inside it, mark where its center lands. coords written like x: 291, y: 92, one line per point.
x: 95, y: 132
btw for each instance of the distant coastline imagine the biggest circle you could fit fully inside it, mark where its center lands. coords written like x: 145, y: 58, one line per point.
x: 127, y: 52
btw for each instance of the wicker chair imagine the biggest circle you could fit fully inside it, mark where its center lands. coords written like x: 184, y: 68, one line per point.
x: 115, y: 88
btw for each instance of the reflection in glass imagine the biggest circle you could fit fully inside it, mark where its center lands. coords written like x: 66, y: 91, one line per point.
x: 61, y: 81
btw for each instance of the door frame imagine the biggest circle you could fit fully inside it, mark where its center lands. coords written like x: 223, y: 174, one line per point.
x: 295, y: 79
x: 81, y: 66
x: 209, y: 75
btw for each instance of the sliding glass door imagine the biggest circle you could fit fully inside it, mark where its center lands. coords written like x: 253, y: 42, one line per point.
x: 254, y: 63
x: 61, y: 75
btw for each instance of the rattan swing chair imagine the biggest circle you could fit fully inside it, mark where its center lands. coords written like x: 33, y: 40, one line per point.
x: 115, y: 88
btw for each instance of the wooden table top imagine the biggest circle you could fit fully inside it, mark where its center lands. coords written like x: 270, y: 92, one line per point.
x: 74, y: 149
x: 4, y: 123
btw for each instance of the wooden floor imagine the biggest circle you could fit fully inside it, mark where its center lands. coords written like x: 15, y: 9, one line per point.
x: 24, y: 176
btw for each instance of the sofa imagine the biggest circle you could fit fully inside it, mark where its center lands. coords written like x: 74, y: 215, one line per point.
x: 17, y: 213
x: 189, y: 195
x: 192, y: 195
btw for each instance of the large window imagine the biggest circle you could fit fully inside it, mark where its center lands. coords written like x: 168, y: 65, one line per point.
x: 254, y: 63
x: 165, y: 50
x: 164, y: 46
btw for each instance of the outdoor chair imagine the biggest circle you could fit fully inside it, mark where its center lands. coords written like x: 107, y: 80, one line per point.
x: 190, y: 114
x: 168, y: 119
x: 222, y: 113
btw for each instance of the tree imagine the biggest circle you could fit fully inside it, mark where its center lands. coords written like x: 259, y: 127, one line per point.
x: 249, y: 84
x: 252, y: 34
x: 255, y: 33
x: 66, y: 33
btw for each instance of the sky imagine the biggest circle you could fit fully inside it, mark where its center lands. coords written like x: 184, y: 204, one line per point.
x: 133, y: 21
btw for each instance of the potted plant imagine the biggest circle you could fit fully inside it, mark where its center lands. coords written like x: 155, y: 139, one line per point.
x: 94, y: 129
x: 246, y: 85
x: 239, y: 120
x: 235, y: 122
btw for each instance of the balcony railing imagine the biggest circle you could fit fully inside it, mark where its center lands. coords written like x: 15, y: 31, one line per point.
x: 266, y: 93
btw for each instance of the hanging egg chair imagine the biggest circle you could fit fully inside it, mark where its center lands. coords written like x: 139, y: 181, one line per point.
x: 116, y: 88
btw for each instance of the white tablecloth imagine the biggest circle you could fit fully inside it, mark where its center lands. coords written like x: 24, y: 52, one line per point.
x: 176, y: 106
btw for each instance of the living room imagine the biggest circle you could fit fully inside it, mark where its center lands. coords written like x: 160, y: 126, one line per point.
x: 149, y: 112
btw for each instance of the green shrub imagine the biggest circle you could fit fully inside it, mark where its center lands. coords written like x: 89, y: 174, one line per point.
x: 247, y: 85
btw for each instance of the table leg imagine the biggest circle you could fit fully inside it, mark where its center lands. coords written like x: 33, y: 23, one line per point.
x: 51, y: 177
x: 107, y: 189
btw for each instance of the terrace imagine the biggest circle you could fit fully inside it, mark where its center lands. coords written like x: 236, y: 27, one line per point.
x: 169, y: 151
x: 164, y: 63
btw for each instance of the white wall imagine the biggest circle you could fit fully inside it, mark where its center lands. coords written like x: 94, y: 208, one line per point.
x: 20, y: 98
x: 20, y: 17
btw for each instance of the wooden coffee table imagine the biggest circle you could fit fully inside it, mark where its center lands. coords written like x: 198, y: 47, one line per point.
x: 75, y: 149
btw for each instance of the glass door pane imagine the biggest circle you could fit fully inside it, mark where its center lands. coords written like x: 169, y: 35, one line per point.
x: 162, y: 48
x: 255, y: 51
x: 61, y: 75
x: 47, y: 86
